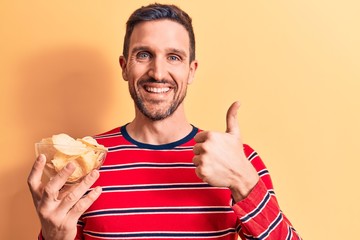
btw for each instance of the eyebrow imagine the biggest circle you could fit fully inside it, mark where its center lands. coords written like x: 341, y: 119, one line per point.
x: 139, y: 49
x: 178, y: 51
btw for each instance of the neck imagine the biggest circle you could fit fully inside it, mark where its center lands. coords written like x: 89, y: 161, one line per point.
x: 168, y: 130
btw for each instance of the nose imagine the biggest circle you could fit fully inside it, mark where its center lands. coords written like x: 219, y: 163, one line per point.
x: 157, y: 69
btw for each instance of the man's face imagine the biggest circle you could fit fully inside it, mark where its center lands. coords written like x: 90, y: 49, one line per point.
x: 158, y: 68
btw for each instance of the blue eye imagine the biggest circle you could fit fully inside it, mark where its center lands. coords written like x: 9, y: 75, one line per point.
x: 174, y: 58
x: 142, y: 55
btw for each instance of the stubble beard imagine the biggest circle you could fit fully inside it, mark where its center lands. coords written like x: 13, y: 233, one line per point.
x: 159, y: 114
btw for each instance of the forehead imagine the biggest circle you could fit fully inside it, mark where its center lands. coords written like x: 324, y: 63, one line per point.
x: 162, y: 34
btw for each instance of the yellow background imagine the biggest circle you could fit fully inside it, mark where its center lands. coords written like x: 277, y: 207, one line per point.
x: 294, y: 65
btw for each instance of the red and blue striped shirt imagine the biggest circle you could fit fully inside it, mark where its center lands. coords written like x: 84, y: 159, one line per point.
x: 152, y: 192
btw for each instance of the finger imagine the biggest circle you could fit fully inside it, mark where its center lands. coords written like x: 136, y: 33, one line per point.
x: 196, y: 160
x: 34, y: 178
x: 197, y: 149
x: 84, y: 203
x: 60, y: 179
x: 77, y: 193
x: 232, y: 125
x: 201, y: 137
x: 66, y: 189
x: 199, y: 174
x: 52, y: 188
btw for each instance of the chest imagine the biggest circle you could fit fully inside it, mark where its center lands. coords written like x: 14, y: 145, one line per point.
x: 156, y: 191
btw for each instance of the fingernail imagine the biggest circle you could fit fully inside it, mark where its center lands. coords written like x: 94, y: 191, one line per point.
x: 41, y: 158
x: 70, y: 166
x: 94, y: 173
x: 98, y: 189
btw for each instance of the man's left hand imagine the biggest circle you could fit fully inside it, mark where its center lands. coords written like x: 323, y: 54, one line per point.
x: 220, y: 159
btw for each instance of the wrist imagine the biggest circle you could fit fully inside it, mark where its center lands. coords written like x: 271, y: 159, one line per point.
x: 56, y: 236
x: 242, y: 188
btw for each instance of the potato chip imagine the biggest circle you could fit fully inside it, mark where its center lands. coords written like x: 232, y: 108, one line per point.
x: 86, y: 154
x: 47, y: 148
x: 68, y: 145
x: 91, y: 142
x: 87, y: 161
x: 59, y: 162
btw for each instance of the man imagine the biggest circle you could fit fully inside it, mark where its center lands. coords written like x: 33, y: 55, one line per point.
x: 163, y: 178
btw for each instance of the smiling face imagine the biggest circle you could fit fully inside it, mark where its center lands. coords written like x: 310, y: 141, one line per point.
x: 158, y: 68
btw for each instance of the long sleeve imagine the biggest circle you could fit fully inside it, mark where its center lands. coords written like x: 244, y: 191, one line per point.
x: 40, y: 237
x: 259, y: 214
x: 79, y: 235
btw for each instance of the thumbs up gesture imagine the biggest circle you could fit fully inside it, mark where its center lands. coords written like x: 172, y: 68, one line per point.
x: 220, y: 159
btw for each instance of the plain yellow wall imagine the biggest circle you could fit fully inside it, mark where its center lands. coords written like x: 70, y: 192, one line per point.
x: 294, y: 65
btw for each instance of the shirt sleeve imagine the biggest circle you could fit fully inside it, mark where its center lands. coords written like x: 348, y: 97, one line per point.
x: 80, y: 228
x: 40, y: 237
x: 259, y: 213
x: 79, y: 235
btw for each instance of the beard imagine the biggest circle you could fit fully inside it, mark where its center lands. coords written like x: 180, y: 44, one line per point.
x: 156, y: 114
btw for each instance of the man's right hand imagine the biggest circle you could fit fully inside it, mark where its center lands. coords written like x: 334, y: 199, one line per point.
x: 59, y: 207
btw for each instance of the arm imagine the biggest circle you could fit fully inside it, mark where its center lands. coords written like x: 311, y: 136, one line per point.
x: 222, y: 160
x: 259, y: 213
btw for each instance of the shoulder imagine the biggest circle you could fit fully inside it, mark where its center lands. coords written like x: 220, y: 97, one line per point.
x: 110, y: 138
x: 113, y: 131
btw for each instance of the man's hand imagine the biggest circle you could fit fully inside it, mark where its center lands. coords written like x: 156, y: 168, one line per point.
x: 59, y: 207
x: 220, y: 159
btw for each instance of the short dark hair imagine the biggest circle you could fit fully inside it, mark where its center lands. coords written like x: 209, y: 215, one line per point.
x: 158, y: 11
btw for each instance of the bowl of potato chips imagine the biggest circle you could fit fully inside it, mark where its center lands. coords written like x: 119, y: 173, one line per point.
x: 85, y: 153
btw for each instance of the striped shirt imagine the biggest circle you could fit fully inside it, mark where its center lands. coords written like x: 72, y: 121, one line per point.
x: 152, y: 192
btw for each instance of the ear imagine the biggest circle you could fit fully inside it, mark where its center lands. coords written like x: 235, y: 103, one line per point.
x: 122, y: 62
x: 193, y: 67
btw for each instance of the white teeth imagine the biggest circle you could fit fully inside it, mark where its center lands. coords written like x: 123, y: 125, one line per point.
x: 157, y: 90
